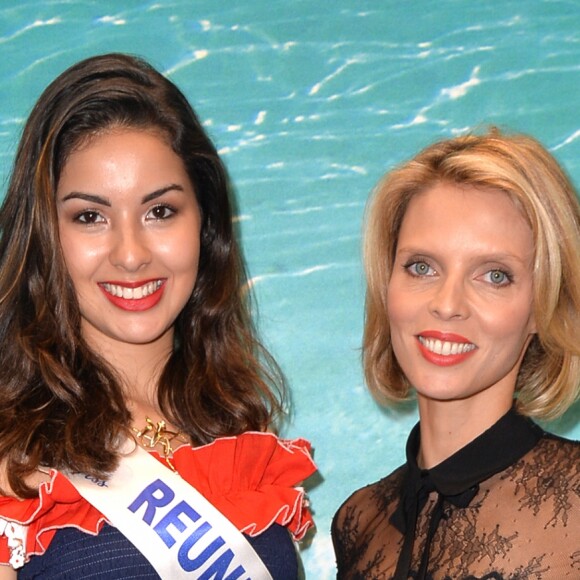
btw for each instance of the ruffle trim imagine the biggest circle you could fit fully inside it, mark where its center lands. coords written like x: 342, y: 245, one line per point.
x: 253, y: 479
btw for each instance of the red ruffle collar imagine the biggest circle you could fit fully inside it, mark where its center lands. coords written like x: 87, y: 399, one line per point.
x: 250, y: 478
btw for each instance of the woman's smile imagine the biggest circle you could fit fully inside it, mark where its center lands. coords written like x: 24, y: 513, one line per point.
x: 444, y: 348
x: 135, y: 296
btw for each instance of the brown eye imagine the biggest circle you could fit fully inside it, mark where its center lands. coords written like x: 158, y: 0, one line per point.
x: 160, y: 212
x: 89, y: 217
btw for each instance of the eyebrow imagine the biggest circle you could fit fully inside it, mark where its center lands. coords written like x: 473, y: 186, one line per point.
x: 100, y: 200
x: 87, y: 197
x: 491, y: 257
x: 159, y: 192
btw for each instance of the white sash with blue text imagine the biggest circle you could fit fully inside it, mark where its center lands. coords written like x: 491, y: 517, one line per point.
x: 179, y: 531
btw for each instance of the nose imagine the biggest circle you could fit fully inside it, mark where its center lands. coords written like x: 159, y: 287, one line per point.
x: 130, y: 250
x: 449, y: 300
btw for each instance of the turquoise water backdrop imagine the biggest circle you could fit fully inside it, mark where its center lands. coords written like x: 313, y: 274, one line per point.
x: 310, y: 102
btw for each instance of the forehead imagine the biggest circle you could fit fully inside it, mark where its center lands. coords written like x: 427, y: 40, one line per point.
x: 122, y: 153
x: 453, y: 216
x: 81, y: 142
x: 88, y: 139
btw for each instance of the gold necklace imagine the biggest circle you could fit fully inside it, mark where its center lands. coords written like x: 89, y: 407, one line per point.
x: 154, y: 434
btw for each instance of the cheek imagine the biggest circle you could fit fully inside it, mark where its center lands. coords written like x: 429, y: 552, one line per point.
x: 70, y: 254
x: 507, y: 343
x: 80, y: 258
x: 182, y: 258
x: 179, y: 245
x: 514, y: 322
x: 399, y: 307
x: 77, y: 247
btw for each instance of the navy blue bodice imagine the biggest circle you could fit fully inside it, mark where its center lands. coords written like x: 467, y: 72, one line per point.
x: 75, y: 555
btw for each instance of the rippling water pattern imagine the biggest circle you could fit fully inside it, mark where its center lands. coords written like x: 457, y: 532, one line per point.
x: 310, y: 103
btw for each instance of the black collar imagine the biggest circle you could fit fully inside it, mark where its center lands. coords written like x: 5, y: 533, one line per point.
x: 493, y: 451
x: 457, y: 478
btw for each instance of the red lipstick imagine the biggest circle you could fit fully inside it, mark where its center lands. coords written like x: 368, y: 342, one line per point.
x: 134, y: 304
x: 448, y: 336
x: 444, y: 348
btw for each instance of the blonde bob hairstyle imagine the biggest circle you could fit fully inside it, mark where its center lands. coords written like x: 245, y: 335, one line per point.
x: 549, y: 378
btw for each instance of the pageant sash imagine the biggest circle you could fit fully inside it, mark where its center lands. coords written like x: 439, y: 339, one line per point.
x: 179, y: 531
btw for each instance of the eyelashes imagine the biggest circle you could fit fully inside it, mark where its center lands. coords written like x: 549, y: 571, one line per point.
x: 88, y: 217
x: 420, y: 268
x: 157, y: 213
x: 161, y: 211
x: 498, y: 277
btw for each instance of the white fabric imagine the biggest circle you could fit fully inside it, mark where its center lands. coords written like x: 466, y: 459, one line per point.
x: 16, y: 534
x: 181, y: 533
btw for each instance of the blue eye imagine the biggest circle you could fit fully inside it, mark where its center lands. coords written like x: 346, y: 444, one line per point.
x: 419, y: 268
x: 498, y: 278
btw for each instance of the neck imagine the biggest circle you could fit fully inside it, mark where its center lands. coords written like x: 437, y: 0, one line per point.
x: 139, y: 367
x: 448, y: 426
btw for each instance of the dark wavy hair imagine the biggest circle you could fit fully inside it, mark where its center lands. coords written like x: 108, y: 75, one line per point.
x: 61, y: 405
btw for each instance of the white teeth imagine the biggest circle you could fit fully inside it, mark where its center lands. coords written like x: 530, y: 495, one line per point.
x: 444, y: 347
x: 132, y: 293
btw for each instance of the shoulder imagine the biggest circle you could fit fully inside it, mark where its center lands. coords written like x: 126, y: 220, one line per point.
x: 378, y: 499
x: 553, y: 450
x: 288, y: 461
x: 562, y: 457
x: 382, y: 492
x: 27, y: 526
x: 362, y: 517
x: 34, y: 480
x: 553, y: 455
x: 548, y: 476
x: 255, y: 479
x: 556, y: 441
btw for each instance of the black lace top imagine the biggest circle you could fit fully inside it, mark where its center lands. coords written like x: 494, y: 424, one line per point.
x: 506, y: 506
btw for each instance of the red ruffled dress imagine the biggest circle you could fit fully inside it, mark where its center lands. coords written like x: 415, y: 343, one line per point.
x: 252, y: 479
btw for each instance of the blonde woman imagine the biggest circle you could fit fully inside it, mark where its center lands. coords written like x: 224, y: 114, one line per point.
x: 473, y: 304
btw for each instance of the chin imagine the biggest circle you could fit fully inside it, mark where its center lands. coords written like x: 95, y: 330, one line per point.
x: 139, y: 336
x: 443, y: 393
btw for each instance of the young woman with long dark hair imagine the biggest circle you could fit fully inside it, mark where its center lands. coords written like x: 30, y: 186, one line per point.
x: 124, y: 325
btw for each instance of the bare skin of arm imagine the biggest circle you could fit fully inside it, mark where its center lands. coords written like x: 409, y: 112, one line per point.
x: 7, y: 573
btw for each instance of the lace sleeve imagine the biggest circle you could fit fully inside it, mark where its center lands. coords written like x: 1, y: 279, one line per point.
x: 360, y: 544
